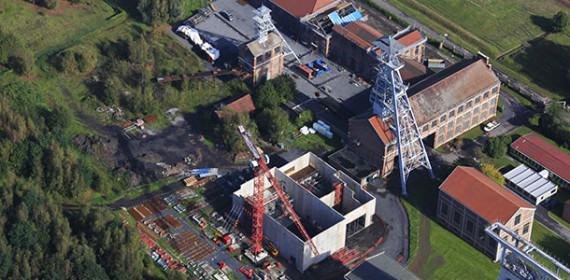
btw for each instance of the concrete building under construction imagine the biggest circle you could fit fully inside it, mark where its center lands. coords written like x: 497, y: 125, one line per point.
x: 331, y: 205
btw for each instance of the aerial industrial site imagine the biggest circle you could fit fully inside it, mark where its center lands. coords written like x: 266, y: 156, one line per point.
x: 284, y: 139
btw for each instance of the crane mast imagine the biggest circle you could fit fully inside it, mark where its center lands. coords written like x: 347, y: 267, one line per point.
x: 262, y: 171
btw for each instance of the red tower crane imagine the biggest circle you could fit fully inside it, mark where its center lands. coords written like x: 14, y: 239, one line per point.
x: 262, y: 172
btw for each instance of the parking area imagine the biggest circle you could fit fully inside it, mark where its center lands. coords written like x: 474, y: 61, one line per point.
x: 344, y: 91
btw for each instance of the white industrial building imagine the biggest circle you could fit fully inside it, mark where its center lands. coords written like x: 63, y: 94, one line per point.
x: 532, y: 186
x: 329, y: 213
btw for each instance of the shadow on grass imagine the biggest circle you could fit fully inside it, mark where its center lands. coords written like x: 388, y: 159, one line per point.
x: 546, y: 63
x: 543, y: 22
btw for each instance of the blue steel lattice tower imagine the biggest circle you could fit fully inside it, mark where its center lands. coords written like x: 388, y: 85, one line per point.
x: 390, y: 102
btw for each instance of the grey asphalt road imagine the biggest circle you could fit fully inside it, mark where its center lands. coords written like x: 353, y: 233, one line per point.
x: 391, y: 211
x: 514, y: 115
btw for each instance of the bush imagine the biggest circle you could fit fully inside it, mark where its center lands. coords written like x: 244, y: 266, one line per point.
x: 76, y: 61
x: 490, y: 171
x: 275, y: 92
x: 274, y: 124
x: 497, y: 147
x: 553, y: 124
x: 14, y: 55
x: 559, y: 21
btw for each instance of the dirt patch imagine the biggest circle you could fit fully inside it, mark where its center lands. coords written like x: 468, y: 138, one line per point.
x: 424, y: 247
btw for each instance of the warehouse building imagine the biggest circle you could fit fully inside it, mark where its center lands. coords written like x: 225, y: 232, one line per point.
x: 535, y: 152
x: 331, y: 205
x: 530, y: 185
x: 469, y: 201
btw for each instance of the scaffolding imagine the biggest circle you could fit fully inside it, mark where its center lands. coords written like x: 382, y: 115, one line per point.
x: 390, y: 101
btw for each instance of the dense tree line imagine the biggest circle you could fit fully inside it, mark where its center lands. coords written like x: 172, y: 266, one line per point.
x: 159, y: 11
x: 554, y: 123
x: 274, y: 123
x: 39, y: 169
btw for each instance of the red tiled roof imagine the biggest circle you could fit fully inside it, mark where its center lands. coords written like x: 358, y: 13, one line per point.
x: 482, y: 195
x: 549, y: 156
x: 300, y: 8
x: 382, y: 129
x: 359, y: 33
x: 243, y: 104
x: 410, y: 38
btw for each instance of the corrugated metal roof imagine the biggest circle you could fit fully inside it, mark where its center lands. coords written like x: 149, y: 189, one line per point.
x: 530, y: 181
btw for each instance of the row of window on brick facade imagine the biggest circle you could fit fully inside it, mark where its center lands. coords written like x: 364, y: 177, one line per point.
x: 477, y: 100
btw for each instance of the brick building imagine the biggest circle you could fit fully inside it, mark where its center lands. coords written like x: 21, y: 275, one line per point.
x: 445, y: 105
x: 262, y: 60
x: 363, y: 130
x: 352, y: 46
x: 455, y: 100
x: 308, y: 21
x: 469, y: 202
x: 241, y: 104
x: 538, y: 154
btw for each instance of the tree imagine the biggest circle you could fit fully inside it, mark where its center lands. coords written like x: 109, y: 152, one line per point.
x: 274, y: 124
x: 275, y: 92
x: 285, y: 85
x: 229, y: 133
x: 267, y: 96
x: 490, y: 171
x: 497, y: 146
x: 58, y: 119
x: 559, y: 22
x: 554, y: 124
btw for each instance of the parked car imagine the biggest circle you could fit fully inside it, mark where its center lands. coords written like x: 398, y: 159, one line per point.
x: 227, y: 15
x: 491, y: 125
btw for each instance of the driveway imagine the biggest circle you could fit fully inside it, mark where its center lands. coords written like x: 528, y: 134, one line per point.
x: 541, y: 215
x: 514, y: 115
x: 391, y: 211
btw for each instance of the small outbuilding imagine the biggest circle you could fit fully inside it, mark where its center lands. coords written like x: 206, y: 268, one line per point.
x: 531, y: 185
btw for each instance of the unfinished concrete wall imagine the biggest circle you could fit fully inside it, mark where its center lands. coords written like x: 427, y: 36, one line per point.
x: 290, y: 246
x: 307, y: 205
x: 327, y: 242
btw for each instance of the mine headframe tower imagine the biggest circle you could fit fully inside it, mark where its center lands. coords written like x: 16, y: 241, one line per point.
x: 390, y: 102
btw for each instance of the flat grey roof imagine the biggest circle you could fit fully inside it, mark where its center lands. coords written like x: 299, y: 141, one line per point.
x: 529, y: 181
x: 380, y: 267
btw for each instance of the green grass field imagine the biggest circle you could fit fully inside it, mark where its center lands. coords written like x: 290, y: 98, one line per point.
x: 50, y: 30
x: 550, y: 242
x: 435, y: 252
x: 498, y: 27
